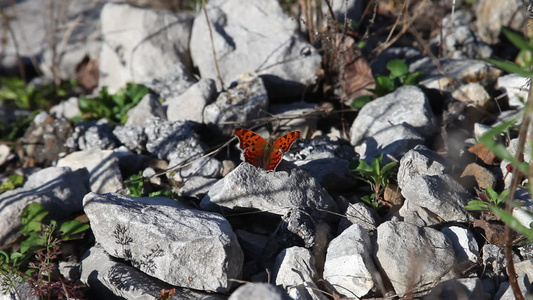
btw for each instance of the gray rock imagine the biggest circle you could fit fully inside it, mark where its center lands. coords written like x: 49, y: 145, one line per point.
x: 493, y: 257
x: 147, y: 108
x: 464, y: 244
x: 524, y: 267
x: 515, y: 86
x: 177, y: 143
x: 58, y: 189
x: 392, y: 142
x: 190, y: 105
x: 359, y: 213
x: 109, y: 278
x: 5, y: 154
x: 259, y: 291
x: 174, y: 83
x: 196, y: 186
x: 413, y: 256
x: 141, y: 44
x: 455, y: 72
x: 432, y: 198
x: 491, y: 15
x: 332, y: 173
x: 70, y: 270
x: 295, y: 272
x: 165, y: 240
x: 251, y: 188
x: 505, y: 292
x: 252, y: 37
x: 421, y: 161
x: 349, y: 267
x: 407, y: 104
x: 462, y: 288
x: 459, y: 40
x: 133, y: 137
x: 247, y: 100
x: 97, y: 136
x: 66, y: 109
x: 22, y: 288
x: 103, y: 168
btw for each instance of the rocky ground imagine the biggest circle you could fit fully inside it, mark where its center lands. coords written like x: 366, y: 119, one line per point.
x: 230, y: 230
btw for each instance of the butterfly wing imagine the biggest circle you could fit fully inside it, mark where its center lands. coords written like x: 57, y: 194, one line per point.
x: 252, y: 145
x: 282, y: 143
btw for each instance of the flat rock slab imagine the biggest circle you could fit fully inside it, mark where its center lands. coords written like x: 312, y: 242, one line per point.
x: 413, y: 256
x: 250, y: 188
x: 181, y: 246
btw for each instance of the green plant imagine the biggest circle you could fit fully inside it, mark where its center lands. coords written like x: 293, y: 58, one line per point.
x: 524, y: 56
x: 16, y: 91
x: 12, y: 131
x: 36, y: 258
x: 13, y: 181
x: 113, y: 107
x: 377, y: 175
x: 493, y: 199
x: 136, y: 188
x: 399, y: 76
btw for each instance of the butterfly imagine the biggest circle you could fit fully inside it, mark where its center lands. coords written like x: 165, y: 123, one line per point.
x: 263, y: 153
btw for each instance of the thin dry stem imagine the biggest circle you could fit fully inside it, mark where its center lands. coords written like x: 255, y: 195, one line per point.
x: 212, y: 44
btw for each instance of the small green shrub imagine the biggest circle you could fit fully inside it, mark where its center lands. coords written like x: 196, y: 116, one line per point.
x: 112, y: 107
x: 377, y: 175
x: 13, y: 181
x: 135, y: 186
x: 15, y: 91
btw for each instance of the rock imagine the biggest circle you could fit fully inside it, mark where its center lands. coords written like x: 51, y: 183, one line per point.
x: 480, y: 129
x: 67, y: 109
x: 332, y: 173
x: 103, y: 168
x: 421, y: 161
x: 58, y: 189
x: 21, y: 290
x: 45, y: 138
x: 177, y: 143
x: 413, y: 256
x: 251, y: 188
x: 252, y: 36
x: 464, y: 244
x: 493, y: 232
x: 494, y: 258
x: 247, y: 100
x: 287, y: 110
x: 407, y: 104
x: 196, y: 186
x: 149, y: 107
x: 299, y: 227
x: 429, y: 199
x: 359, y: 213
x: 295, y: 272
x: 481, y: 177
x: 506, y: 291
x: 392, y: 142
x: 96, y: 136
x: 110, y: 278
x: 491, y: 15
x: 349, y: 267
x: 141, y: 44
x: 474, y: 93
x: 70, y: 270
x: 174, y: 83
x: 459, y: 40
x: 462, y: 288
x: 133, y: 137
x: 178, y: 240
x: 515, y: 86
x: 524, y: 267
x: 5, y: 154
x: 190, y: 105
x: 455, y: 72
x: 259, y: 291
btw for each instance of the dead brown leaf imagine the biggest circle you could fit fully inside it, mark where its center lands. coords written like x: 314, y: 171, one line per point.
x: 87, y: 73
x: 484, y: 153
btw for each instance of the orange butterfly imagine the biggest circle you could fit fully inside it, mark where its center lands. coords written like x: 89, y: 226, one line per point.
x: 263, y: 153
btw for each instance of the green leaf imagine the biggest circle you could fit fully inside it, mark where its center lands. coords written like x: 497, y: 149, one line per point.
x: 34, y: 240
x: 517, y: 39
x: 32, y: 217
x: 510, y: 67
x: 388, y: 168
x: 359, y: 102
x: 477, y: 205
x: 412, y: 78
x: 493, y: 196
x: 397, y: 68
x: 512, y: 222
x: 16, y: 179
x: 70, y: 228
x: 363, y: 166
